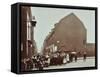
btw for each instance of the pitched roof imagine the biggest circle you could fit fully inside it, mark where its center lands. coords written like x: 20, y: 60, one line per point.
x: 73, y: 18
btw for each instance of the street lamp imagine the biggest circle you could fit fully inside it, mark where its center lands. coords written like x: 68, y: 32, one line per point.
x: 33, y: 22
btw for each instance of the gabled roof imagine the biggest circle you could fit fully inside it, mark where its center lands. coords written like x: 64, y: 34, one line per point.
x: 72, y: 17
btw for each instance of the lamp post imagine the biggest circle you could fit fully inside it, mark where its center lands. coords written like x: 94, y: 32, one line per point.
x: 33, y: 21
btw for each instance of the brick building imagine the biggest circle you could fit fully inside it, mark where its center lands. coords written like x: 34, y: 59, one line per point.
x: 69, y: 34
x: 28, y: 45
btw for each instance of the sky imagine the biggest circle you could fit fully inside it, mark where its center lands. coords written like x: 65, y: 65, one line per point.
x: 47, y: 17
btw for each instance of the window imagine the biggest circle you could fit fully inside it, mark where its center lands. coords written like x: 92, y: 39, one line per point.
x: 21, y: 46
x: 28, y: 28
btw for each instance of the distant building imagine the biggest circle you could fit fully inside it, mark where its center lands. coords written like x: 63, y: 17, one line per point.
x: 28, y: 45
x: 69, y: 34
x: 90, y: 47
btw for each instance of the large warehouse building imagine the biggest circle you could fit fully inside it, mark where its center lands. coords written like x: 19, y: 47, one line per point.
x: 69, y: 34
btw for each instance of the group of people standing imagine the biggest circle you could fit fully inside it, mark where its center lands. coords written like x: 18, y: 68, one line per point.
x: 35, y: 62
x: 38, y: 62
x: 41, y: 61
x: 73, y: 56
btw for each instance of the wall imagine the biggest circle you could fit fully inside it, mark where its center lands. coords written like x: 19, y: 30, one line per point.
x: 65, y: 31
x: 5, y: 42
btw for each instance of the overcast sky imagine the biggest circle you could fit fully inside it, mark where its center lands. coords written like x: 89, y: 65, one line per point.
x: 47, y: 17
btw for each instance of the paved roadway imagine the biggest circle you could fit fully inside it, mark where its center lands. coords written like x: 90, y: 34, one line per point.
x: 90, y: 61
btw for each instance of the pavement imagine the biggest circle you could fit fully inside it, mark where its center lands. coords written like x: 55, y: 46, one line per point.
x: 90, y: 62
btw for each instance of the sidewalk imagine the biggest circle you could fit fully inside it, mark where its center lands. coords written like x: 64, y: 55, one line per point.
x: 90, y: 62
